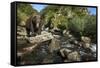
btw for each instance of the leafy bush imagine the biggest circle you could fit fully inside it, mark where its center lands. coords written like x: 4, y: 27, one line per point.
x: 77, y: 25
x: 24, y: 11
x: 90, y: 28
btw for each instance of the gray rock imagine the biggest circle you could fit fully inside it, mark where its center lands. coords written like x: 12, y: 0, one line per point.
x: 57, y: 36
x: 74, y: 56
x: 87, y: 45
x: 54, y: 45
x: 67, y: 45
x: 66, y: 33
x: 93, y: 47
x: 40, y: 38
x: 22, y: 23
x: 44, y: 32
x: 21, y: 33
x: 86, y: 42
x: 64, y: 52
x: 86, y: 39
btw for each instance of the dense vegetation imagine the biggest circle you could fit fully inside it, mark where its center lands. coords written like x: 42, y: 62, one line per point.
x: 75, y: 19
x: 24, y: 11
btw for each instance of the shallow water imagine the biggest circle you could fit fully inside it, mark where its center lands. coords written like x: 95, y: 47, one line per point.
x: 42, y: 55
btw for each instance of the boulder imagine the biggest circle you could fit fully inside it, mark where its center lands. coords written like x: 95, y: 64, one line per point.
x: 22, y: 23
x: 88, y: 57
x: 65, y: 32
x: 21, y: 33
x: 21, y: 29
x: 48, y: 59
x: 74, y: 56
x: 86, y: 42
x: 57, y: 36
x: 93, y: 47
x: 64, y: 52
x: 70, y: 55
x: 54, y: 45
x: 44, y: 32
x: 40, y: 38
x: 86, y: 39
x: 68, y: 45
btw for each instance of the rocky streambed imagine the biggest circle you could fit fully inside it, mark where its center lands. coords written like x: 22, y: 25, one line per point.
x: 57, y: 50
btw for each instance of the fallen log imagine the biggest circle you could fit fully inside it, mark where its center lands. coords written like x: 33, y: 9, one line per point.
x: 34, y: 41
x: 40, y: 38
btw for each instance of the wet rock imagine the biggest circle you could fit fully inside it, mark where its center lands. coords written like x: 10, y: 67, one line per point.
x: 47, y: 60
x: 93, y: 50
x: 53, y: 58
x: 88, y: 54
x: 21, y: 30
x: 66, y: 60
x: 93, y: 47
x: 54, y: 45
x: 88, y: 57
x: 70, y: 55
x: 82, y: 53
x: 57, y: 36
x: 74, y: 56
x: 40, y: 38
x: 56, y: 31
x: 70, y: 36
x: 85, y: 39
x: 86, y: 42
x: 66, y: 33
x: 21, y: 33
x: 68, y: 45
x: 44, y: 32
x: 64, y: 52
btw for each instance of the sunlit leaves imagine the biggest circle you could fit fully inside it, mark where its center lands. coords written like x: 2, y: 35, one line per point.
x: 75, y: 19
x: 24, y: 11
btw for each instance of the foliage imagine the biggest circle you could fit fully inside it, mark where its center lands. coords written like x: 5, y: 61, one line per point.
x: 77, y: 25
x: 24, y: 11
x: 90, y: 28
x: 61, y: 14
x: 75, y: 19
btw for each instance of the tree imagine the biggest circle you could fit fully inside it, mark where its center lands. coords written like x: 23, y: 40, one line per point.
x: 91, y: 27
x: 24, y: 11
x: 75, y: 19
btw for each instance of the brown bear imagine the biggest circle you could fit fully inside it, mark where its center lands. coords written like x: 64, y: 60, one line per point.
x: 33, y: 25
